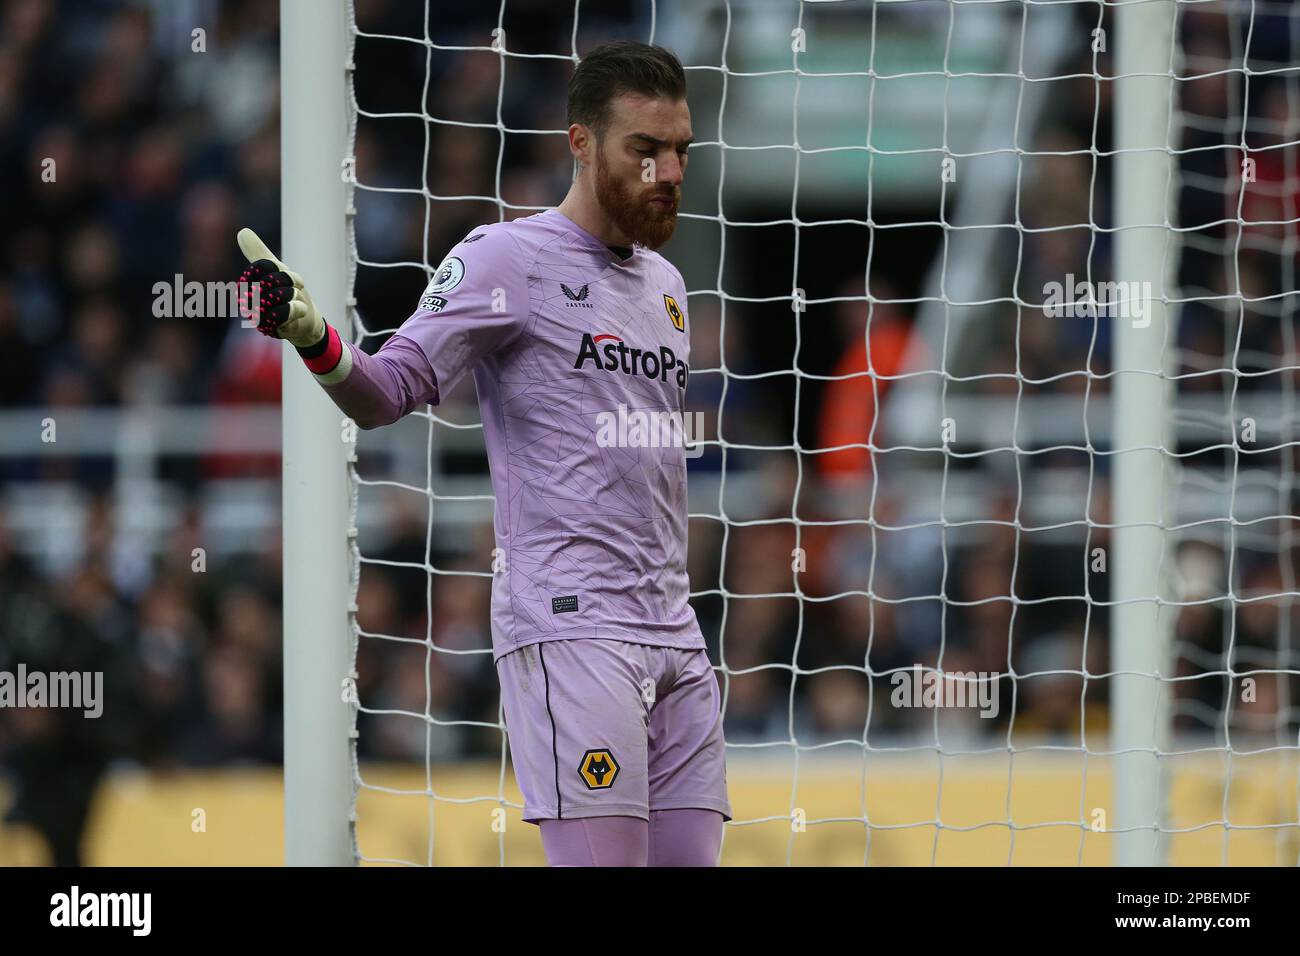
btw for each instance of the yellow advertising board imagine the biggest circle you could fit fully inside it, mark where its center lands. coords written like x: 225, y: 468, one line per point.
x: 1031, y: 808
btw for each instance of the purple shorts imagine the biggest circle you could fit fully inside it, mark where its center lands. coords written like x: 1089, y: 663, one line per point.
x: 603, y: 727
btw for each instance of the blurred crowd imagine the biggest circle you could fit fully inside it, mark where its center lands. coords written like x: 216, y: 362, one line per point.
x: 129, y: 157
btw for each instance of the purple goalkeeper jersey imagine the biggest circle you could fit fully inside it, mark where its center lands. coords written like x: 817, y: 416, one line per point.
x: 580, y: 362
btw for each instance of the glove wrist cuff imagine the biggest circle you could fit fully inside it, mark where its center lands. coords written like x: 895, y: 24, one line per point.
x: 325, y: 356
x: 317, y: 344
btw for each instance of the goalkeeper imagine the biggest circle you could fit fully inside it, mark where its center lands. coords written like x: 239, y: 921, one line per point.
x: 611, y: 705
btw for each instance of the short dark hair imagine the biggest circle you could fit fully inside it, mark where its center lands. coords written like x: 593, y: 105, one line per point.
x: 622, y: 66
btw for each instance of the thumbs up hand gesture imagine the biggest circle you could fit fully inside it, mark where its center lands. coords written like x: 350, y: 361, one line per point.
x: 279, y: 301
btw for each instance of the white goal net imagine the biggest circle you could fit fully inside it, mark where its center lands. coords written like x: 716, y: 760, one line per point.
x: 993, y: 537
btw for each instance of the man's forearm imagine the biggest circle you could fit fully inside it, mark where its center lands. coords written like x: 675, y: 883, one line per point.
x: 372, y: 390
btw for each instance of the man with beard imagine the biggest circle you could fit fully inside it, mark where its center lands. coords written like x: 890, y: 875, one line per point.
x: 569, y: 319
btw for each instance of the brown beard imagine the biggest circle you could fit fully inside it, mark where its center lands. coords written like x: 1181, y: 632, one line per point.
x: 637, y: 218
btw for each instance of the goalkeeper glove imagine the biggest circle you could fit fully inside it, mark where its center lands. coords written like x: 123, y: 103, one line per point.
x: 284, y: 309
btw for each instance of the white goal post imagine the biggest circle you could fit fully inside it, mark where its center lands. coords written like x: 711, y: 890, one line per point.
x: 1141, y: 624
x: 318, y: 786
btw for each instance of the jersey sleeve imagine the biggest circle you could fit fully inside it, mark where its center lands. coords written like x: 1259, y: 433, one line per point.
x: 477, y: 303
